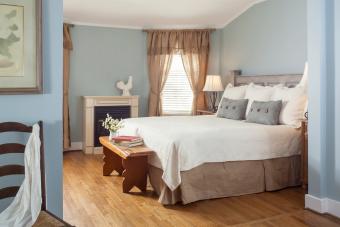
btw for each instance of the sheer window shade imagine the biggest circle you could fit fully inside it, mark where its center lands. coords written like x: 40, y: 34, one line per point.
x: 177, y: 96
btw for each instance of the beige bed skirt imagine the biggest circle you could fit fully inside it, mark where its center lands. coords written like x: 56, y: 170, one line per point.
x: 225, y: 179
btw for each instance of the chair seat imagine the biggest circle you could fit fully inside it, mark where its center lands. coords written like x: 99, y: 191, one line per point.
x: 46, y: 219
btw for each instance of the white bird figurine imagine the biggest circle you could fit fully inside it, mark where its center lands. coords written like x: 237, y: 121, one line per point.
x: 125, y: 87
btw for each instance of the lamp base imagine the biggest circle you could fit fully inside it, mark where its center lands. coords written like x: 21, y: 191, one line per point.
x: 214, y: 109
x: 212, y: 96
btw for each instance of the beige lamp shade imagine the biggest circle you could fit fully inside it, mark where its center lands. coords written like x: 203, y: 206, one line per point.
x: 213, y: 83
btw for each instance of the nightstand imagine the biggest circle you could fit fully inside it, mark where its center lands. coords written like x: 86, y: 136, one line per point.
x: 304, y: 154
x: 204, y: 112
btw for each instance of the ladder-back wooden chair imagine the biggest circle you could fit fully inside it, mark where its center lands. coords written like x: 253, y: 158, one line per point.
x: 45, y: 217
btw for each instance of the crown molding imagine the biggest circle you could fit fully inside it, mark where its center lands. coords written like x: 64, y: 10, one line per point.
x: 196, y: 26
x: 81, y: 23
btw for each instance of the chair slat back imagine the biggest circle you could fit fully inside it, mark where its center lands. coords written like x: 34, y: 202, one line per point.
x: 14, y: 127
x: 12, y: 148
x: 11, y: 170
x: 16, y: 148
x: 8, y: 192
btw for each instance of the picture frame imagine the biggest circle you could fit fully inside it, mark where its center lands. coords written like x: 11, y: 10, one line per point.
x: 21, y: 47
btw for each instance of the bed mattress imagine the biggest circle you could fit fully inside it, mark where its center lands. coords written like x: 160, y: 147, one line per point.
x: 182, y: 143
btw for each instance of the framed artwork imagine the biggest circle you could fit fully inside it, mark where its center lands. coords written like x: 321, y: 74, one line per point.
x: 20, y: 47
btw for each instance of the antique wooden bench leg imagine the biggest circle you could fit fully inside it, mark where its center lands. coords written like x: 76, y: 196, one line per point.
x: 111, y: 162
x: 135, y: 173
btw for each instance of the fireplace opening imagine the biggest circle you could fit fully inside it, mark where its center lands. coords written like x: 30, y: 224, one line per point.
x: 117, y: 112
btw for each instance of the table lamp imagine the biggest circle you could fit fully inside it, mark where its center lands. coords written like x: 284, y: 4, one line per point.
x: 213, y: 85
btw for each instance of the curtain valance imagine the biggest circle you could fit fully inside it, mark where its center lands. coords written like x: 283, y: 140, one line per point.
x: 165, y: 42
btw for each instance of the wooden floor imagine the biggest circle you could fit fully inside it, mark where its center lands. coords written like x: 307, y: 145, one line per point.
x: 91, y: 199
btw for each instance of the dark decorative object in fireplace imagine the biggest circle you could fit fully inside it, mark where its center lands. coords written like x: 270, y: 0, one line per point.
x: 117, y: 112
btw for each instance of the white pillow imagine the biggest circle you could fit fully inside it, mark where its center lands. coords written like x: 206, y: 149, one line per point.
x: 258, y: 93
x: 294, y: 102
x: 232, y: 92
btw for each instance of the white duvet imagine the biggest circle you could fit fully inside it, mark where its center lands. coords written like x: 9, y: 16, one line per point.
x: 182, y: 143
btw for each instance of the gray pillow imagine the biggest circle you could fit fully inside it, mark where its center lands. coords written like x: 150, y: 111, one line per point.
x: 267, y: 113
x: 233, y: 109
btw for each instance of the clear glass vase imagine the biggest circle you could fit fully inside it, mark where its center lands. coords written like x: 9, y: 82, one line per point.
x: 112, y: 135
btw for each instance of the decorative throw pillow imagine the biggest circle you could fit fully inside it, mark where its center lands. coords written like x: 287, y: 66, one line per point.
x: 294, y: 101
x: 267, y: 113
x: 232, y: 109
x: 259, y: 93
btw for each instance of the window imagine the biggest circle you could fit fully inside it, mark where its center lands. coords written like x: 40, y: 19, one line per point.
x: 177, y: 95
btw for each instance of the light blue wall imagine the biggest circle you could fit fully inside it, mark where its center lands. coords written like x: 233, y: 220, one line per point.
x: 334, y: 192
x: 333, y: 135
x: 103, y: 56
x: 48, y: 106
x: 318, y: 98
x: 269, y: 38
x: 215, y: 52
x: 324, y: 62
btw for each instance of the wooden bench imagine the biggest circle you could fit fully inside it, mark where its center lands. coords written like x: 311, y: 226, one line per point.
x: 131, y: 163
x: 45, y: 217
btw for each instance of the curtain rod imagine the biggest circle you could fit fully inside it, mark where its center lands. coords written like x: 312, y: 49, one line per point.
x: 204, y: 29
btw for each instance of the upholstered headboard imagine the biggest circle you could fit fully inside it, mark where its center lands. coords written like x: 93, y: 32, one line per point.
x: 289, y: 80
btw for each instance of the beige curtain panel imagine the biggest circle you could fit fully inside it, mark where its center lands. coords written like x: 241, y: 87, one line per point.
x: 68, y: 47
x: 160, y: 48
x: 193, y: 45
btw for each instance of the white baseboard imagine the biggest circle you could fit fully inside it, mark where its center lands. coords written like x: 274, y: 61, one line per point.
x: 323, y: 205
x: 75, y: 146
x: 334, y: 207
x: 315, y: 203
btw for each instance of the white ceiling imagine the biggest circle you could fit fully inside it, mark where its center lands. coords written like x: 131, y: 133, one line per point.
x: 155, y: 13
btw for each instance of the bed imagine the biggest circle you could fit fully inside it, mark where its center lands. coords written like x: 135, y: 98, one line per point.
x: 205, y: 157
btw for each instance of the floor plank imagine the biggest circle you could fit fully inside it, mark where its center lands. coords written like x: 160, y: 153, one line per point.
x: 91, y: 199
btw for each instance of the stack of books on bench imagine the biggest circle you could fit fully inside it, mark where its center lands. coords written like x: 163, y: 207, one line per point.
x: 128, y: 141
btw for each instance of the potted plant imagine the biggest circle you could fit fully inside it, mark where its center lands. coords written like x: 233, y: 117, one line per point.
x: 112, y: 125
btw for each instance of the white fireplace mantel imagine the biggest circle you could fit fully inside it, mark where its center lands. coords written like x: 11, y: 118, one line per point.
x: 89, y: 102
